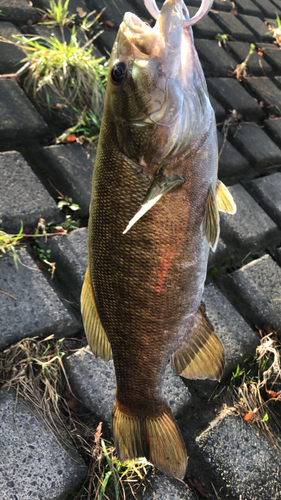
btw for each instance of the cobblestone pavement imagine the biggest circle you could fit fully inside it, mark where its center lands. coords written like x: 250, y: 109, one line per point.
x: 228, y: 456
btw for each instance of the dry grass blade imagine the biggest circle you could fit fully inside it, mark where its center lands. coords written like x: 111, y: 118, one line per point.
x: 260, y: 387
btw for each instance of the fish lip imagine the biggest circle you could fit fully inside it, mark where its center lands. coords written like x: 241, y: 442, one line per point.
x: 135, y: 24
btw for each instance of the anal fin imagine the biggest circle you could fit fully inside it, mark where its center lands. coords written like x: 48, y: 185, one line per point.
x: 95, y: 333
x: 202, y: 354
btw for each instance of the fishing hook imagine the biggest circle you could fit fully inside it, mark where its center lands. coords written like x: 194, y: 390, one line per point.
x: 204, y: 9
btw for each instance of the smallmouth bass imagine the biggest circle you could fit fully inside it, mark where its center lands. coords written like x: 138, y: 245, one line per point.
x: 154, y: 214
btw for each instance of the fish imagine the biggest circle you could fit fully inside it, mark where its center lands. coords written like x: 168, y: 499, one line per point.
x: 154, y: 214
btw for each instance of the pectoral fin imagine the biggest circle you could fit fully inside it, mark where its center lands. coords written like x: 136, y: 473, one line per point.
x: 210, y: 225
x: 161, y: 185
x: 202, y: 354
x: 95, y: 333
x: 224, y: 199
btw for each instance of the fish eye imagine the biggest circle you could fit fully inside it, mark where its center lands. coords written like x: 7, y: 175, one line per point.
x: 119, y: 72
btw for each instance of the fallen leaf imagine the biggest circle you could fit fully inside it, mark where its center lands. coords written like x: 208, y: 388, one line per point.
x: 109, y: 23
x: 260, y: 52
x: 195, y: 484
x: 234, y: 12
x: 69, y: 138
x: 81, y: 12
x: 72, y: 403
x: 249, y: 415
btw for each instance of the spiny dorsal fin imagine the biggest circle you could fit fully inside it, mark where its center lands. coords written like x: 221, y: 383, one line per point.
x: 224, y: 199
x: 161, y: 185
x: 202, y: 354
x: 95, y: 333
x: 210, y: 224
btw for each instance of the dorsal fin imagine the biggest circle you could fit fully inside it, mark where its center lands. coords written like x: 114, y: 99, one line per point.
x: 202, y: 354
x: 95, y: 333
x: 210, y: 225
x: 161, y: 185
x: 224, y: 199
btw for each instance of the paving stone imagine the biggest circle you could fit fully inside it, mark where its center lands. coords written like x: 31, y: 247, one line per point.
x: 256, y: 146
x: 238, y: 338
x: 268, y: 9
x: 18, y: 11
x: 242, y: 456
x: 247, y: 7
x: 226, y: 5
x: 37, y: 311
x: 255, y: 292
x: 222, y: 252
x: 70, y: 254
x: 22, y: 196
x: 256, y: 64
x: 267, y: 190
x: 265, y: 91
x: 232, y: 26
x: 70, y: 169
x: 72, y: 5
x: 10, y: 55
x: 163, y: 488
x: 273, y: 129
x: 218, y: 109
x: 232, y: 165
x: 260, y: 30
x: 215, y: 61
x: 113, y: 11
x: 250, y: 228
x: 104, y: 42
x: 33, y: 463
x: 277, y: 3
x: 272, y: 55
x: 93, y: 381
x: 206, y: 28
x: 233, y: 96
x: 20, y: 123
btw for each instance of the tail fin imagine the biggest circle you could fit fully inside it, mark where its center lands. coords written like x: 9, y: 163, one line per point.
x: 158, y: 439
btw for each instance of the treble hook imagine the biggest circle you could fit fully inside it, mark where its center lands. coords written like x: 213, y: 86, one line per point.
x: 204, y: 9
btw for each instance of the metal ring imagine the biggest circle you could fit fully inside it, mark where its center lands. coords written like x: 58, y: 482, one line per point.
x: 204, y: 9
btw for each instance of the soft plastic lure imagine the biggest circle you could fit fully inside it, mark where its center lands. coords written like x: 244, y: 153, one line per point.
x: 204, y: 9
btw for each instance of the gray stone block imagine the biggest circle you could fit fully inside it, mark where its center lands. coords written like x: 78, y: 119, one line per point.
x: 22, y: 196
x: 266, y: 92
x: 20, y: 124
x: 256, y: 146
x: 10, y: 55
x: 223, y: 5
x: 218, y: 109
x: 70, y: 254
x: 70, y: 169
x: 238, y: 338
x: 256, y: 64
x: 33, y: 464
x: 93, y: 381
x: 272, y: 55
x: 267, y: 190
x: 232, y: 165
x: 255, y: 292
x: 247, y: 7
x: 273, y: 129
x: 233, y: 96
x: 37, y: 310
x: 216, y: 258
x: 267, y: 7
x: 164, y: 488
x: 18, y: 11
x: 215, y: 61
x: 104, y: 42
x: 112, y: 11
x: 206, y: 28
x: 232, y: 26
x: 250, y: 228
x: 259, y: 29
x: 242, y: 456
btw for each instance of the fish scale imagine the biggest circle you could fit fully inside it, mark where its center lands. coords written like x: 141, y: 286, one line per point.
x: 142, y: 291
